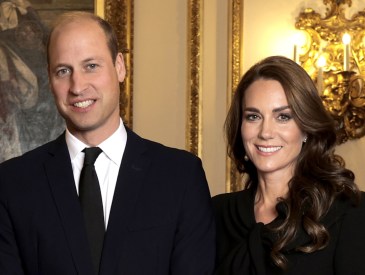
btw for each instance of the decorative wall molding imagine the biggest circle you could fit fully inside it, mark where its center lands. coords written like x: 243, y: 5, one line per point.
x: 194, y: 105
x: 234, y: 181
x: 119, y: 13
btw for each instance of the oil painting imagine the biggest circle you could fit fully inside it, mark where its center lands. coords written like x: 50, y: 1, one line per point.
x: 28, y: 116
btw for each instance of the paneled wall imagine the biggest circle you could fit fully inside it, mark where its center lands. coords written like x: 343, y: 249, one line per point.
x: 161, y: 62
x: 160, y: 78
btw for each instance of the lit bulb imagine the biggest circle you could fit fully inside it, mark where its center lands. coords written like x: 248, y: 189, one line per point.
x: 346, y: 39
x: 321, y: 62
x: 300, y: 38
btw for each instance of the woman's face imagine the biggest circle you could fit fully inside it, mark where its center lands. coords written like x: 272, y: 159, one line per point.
x: 271, y: 137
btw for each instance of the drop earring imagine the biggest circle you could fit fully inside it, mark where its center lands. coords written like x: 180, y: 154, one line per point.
x: 246, y: 158
x: 305, y: 140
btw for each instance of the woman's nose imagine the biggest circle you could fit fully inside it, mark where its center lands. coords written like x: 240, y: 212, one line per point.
x: 266, y: 129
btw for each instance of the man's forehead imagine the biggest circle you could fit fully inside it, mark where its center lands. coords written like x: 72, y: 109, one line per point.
x: 76, y: 27
x: 72, y: 22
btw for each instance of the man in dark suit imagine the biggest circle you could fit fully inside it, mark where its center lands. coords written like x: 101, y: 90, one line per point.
x: 155, y: 202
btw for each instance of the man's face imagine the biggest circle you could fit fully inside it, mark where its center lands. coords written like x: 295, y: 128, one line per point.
x: 85, y: 80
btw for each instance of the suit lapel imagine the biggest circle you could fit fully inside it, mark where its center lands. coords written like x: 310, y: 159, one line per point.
x: 59, y: 172
x: 130, y: 178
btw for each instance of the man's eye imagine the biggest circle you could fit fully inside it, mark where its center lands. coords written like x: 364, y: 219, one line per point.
x: 91, y: 66
x: 62, y: 72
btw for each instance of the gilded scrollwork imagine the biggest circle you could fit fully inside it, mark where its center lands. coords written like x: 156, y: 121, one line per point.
x: 342, y: 90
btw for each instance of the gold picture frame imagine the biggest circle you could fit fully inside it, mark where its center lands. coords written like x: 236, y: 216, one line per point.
x: 119, y: 13
x: 194, y: 106
x: 234, y: 181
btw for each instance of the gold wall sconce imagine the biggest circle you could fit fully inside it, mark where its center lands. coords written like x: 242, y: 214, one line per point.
x: 333, y: 54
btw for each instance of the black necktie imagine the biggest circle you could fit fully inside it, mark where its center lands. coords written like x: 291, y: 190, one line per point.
x: 92, y: 205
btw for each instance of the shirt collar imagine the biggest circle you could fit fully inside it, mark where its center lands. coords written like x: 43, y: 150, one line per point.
x: 113, y: 147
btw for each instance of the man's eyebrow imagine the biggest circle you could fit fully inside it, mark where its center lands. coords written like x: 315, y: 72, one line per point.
x: 62, y: 65
x: 89, y: 59
x: 86, y: 60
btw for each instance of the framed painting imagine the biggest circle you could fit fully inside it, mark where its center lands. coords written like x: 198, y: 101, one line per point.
x: 28, y: 116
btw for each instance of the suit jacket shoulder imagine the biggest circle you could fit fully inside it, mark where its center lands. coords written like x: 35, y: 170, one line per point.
x: 35, y: 156
x: 157, y: 149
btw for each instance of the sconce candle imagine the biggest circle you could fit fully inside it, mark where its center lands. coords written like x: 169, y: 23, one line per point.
x: 299, y: 40
x: 341, y: 81
x: 346, y: 38
x: 320, y: 63
x: 296, y: 54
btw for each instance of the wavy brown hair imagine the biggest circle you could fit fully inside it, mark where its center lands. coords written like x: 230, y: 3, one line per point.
x: 319, y: 177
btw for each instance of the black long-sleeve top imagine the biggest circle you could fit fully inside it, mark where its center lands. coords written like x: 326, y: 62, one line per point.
x: 243, y: 245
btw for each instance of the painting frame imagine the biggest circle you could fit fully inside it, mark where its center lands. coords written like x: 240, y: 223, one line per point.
x: 119, y: 13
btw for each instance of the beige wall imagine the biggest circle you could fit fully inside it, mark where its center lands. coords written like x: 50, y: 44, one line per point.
x: 160, y: 71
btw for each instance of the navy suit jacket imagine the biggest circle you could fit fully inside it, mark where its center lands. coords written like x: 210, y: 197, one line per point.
x: 160, y: 222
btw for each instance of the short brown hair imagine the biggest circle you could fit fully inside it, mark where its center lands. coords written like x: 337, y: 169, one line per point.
x: 111, y: 37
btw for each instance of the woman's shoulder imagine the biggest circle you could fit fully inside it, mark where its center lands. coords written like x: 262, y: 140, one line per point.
x: 349, y: 205
x: 357, y: 209
x: 350, y: 241
x: 235, y: 203
x: 345, y: 209
x: 230, y: 197
x: 234, y: 211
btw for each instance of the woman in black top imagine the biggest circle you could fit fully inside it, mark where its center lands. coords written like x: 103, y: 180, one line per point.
x: 300, y: 212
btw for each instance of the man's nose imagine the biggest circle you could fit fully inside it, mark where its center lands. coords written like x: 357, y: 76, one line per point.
x: 78, y: 83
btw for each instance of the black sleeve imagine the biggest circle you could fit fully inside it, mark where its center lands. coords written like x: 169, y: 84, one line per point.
x: 349, y: 256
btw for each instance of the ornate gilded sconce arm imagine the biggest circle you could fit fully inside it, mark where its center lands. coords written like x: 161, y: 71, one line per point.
x: 341, y: 80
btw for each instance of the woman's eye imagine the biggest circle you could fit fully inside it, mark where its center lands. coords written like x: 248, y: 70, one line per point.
x: 284, y: 117
x: 251, y: 117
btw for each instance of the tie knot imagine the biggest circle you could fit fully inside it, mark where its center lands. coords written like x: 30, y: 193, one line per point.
x: 91, y: 154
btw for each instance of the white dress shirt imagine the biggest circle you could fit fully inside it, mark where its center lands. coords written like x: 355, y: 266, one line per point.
x: 106, y: 165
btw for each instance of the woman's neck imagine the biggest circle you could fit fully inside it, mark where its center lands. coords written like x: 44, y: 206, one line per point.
x: 269, y: 191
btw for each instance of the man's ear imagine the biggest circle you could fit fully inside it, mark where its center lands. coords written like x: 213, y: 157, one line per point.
x: 120, y: 67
